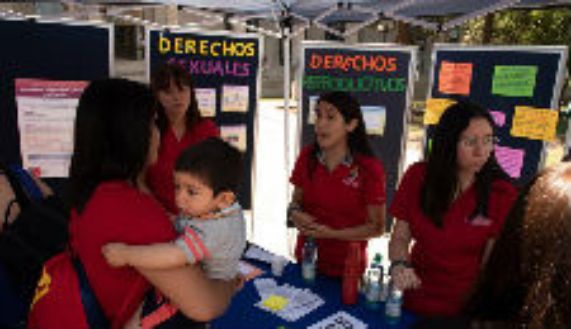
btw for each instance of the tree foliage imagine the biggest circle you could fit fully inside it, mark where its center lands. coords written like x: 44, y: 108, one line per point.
x: 529, y: 27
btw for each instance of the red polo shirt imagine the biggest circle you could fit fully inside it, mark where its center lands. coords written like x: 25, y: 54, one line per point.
x: 117, y: 212
x: 447, y: 260
x: 338, y: 199
x: 160, y: 174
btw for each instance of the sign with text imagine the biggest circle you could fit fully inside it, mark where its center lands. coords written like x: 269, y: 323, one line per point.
x: 519, y: 86
x: 225, y: 69
x: 379, y: 77
x: 46, y: 118
x: 54, y: 51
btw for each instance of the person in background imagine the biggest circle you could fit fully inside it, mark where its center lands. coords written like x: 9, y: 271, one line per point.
x: 115, y: 142
x: 180, y: 125
x: 339, y: 193
x: 526, y: 282
x: 452, y: 206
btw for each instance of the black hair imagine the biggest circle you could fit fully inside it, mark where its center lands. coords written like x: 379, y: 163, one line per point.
x: 161, y: 81
x: 441, y: 181
x: 349, y: 108
x: 214, y: 161
x: 111, y: 137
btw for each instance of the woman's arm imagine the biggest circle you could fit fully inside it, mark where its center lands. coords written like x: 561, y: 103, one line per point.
x: 374, y: 227
x: 403, y: 275
x: 154, y: 256
x: 300, y: 218
x: 194, y: 294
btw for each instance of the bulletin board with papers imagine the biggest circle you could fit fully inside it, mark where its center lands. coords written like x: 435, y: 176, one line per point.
x: 519, y: 85
x: 225, y: 68
x: 44, y: 66
x: 379, y: 76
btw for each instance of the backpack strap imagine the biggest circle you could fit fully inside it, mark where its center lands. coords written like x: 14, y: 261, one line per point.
x: 27, y: 183
x: 93, y: 311
x: 21, y: 196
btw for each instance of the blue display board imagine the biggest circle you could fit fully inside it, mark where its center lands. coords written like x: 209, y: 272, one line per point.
x: 380, y: 77
x: 42, y: 50
x: 501, y: 79
x: 226, y: 72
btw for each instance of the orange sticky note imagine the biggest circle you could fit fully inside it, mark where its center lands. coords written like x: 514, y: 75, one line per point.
x: 435, y: 107
x: 534, y: 123
x: 455, y: 78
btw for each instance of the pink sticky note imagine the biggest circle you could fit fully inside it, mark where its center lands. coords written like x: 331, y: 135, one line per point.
x: 499, y: 118
x: 510, y: 159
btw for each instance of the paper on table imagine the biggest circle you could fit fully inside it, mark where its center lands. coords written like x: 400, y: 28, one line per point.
x: 248, y: 271
x: 255, y: 252
x: 339, y: 320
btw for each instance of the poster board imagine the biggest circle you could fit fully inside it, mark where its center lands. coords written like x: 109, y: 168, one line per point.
x: 226, y: 73
x: 46, y: 50
x: 519, y: 85
x: 380, y: 77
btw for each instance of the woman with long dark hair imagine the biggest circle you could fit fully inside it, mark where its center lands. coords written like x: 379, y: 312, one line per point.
x: 452, y: 206
x: 339, y: 193
x: 115, y: 142
x: 180, y: 124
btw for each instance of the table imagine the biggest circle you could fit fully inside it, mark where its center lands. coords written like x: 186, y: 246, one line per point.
x: 243, y: 314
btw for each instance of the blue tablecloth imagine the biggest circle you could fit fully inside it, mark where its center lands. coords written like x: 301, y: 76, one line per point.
x: 243, y: 314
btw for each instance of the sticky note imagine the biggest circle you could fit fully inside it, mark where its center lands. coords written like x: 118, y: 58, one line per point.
x: 510, y: 159
x: 275, y: 302
x: 534, y: 123
x: 499, y: 118
x: 435, y: 107
x: 514, y: 81
x: 455, y: 78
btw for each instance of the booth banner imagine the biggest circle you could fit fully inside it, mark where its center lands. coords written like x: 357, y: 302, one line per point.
x: 46, y: 116
x: 379, y: 76
x: 225, y: 68
x: 520, y: 87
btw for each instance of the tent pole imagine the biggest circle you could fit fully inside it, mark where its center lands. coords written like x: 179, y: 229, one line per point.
x: 286, y: 48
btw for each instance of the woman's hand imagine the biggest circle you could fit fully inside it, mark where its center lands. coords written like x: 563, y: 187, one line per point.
x: 302, y: 220
x: 320, y: 231
x: 115, y: 254
x: 405, y: 278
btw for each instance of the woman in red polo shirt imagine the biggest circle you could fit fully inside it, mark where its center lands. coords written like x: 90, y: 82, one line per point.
x: 115, y: 140
x: 452, y: 206
x: 339, y: 193
x: 180, y: 124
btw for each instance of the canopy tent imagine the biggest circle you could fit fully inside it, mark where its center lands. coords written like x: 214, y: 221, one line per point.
x: 415, y: 12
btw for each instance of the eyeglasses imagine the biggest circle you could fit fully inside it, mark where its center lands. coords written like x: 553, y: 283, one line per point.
x: 486, y: 141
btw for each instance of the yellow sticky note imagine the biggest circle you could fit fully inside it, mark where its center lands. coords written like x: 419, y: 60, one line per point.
x: 534, y: 123
x: 434, y: 109
x: 275, y: 302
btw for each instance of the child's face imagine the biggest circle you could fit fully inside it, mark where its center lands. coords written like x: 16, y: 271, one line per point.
x: 193, y: 197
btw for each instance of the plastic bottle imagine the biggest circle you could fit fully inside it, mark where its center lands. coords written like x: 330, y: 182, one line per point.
x: 351, y: 274
x: 373, y: 289
x: 308, y: 260
x: 374, y: 282
x: 393, y: 306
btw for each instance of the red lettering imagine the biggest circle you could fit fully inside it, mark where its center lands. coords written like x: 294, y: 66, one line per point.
x: 316, y: 61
